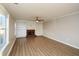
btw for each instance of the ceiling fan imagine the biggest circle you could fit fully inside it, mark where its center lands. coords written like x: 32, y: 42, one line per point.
x: 38, y: 19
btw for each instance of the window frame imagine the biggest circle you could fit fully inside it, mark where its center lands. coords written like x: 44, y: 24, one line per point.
x: 6, y: 34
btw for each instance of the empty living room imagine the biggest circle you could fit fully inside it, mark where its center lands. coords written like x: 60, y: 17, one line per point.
x: 39, y: 29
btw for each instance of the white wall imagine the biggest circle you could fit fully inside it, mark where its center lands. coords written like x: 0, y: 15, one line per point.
x: 23, y: 25
x: 39, y: 28
x: 64, y: 29
x: 10, y: 32
x: 20, y: 28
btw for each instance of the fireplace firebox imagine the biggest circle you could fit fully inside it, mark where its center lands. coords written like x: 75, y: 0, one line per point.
x: 30, y: 32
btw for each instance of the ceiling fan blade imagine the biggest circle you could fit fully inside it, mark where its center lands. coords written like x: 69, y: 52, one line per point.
x: 37, y: 19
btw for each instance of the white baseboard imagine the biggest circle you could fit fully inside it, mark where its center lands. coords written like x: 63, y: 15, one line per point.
x: 11, y: 48
x: 62, y: 42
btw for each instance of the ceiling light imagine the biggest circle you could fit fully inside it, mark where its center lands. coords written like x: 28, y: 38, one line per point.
x: 37, y: 21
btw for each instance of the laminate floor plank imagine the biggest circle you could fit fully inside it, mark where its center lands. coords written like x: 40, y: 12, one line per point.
x: 41, y: 46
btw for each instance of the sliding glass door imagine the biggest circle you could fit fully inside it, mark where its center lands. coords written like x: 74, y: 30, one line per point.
x: 2, y: 30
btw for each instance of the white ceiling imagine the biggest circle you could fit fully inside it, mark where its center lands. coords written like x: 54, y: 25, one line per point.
x: 47, y: 11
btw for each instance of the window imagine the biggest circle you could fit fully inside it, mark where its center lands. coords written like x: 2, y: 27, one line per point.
x: 2, y: 30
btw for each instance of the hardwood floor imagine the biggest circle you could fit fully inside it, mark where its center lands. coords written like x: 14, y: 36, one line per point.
x: 41, y: 46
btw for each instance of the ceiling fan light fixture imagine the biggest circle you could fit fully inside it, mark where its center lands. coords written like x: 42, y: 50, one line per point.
x: 16, y: 3
x: 37, y: 21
